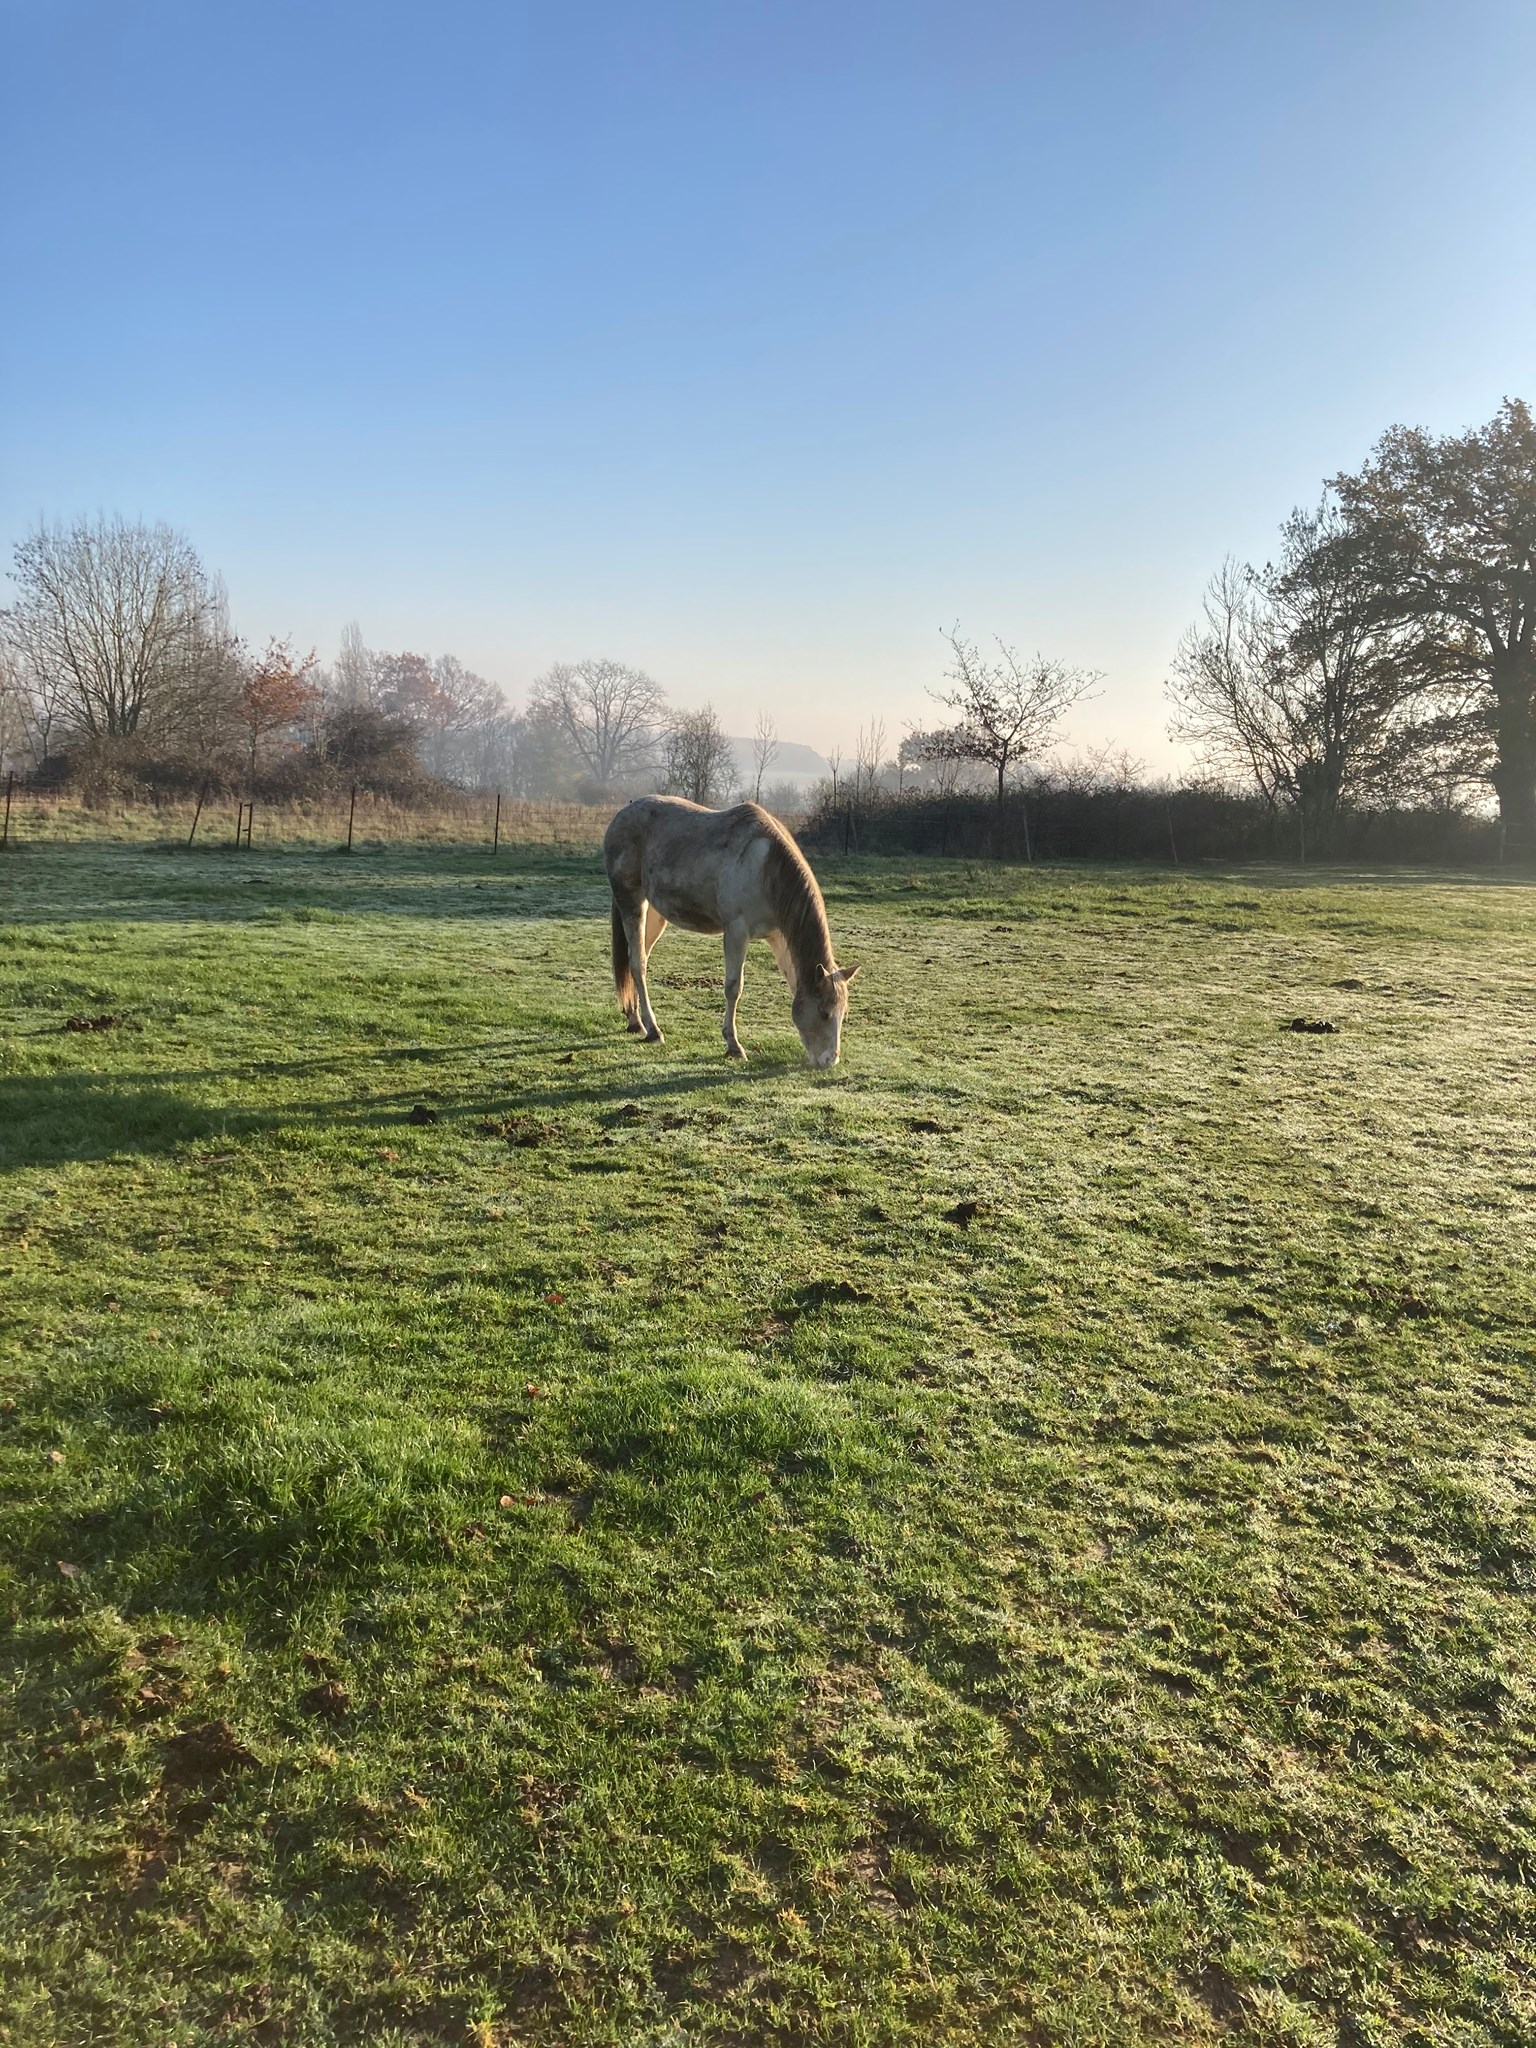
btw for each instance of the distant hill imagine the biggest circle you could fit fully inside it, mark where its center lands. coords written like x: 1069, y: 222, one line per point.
x: 792, y: 763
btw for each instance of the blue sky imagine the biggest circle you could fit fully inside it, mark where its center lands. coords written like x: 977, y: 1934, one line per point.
x: 750, y: 342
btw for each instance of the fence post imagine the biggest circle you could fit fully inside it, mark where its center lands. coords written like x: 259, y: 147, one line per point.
x: 250, y: 820
x: 239, y: 821
x: 5, y: 830
x: 351, y: 814
x: 1029, y: 851
x: 201, y: 794
x: 496, y: 828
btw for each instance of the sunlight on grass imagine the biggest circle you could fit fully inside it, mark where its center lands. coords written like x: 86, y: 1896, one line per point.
x: 616, y: 1564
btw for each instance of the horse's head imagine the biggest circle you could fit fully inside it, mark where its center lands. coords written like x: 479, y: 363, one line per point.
x: 821, y: 1004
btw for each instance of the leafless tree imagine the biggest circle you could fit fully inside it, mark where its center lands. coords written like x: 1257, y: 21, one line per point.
x: 1304, y: 678
x: 701, y: 762
x: 1008, y: 710
x: 103, y: 619
x: 765, y: 751
x: 869, y: 759
x: 608, y: 714
x: 835, y: 762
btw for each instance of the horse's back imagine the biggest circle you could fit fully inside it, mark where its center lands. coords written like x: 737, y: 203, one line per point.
x: 698, y: 860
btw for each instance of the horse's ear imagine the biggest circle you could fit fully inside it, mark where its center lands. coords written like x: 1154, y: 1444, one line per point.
x: 846, y: 974
x: 819, y: 972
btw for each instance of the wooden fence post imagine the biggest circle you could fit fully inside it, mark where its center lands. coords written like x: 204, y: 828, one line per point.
x: 5, y: 830
x: 496, y: 828
x: 201, y: 794
x: 351, y: 814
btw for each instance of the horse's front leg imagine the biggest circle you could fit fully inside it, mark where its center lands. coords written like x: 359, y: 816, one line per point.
x: 736, y: 939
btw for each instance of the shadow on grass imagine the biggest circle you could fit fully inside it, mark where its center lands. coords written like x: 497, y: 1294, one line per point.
x: 53, y: 1119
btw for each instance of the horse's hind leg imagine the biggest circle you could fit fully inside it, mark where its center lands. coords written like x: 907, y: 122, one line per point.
x: 629, y: 951
x: 635, y: 923
x: 735, y: 966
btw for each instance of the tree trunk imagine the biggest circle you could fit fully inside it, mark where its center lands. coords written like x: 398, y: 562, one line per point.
x: 1514, y: 776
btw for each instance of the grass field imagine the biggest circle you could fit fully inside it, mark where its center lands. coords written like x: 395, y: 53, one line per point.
x: 614, y: 1564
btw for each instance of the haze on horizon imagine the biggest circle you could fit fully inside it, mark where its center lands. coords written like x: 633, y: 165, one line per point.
x: 750, y: 344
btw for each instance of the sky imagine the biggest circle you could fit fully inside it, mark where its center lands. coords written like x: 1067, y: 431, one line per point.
x: 753, y: 342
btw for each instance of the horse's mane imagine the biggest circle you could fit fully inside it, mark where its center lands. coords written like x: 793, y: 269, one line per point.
x: 796, y: 900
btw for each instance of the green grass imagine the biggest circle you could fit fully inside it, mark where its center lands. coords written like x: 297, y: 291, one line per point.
x: 662, y: 1583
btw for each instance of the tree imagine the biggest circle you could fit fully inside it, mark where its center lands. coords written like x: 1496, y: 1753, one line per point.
x: 765, y: 751
x: 868, y: 760
x: 1452, y: 520
x: 352, y: 677
x: 1007, y: 709
x: 275, y: 694
x: 1302, y: 676
x: 608, y: 715
x: 106, y: 621
x: 701, y: 762
x: 445, y: 702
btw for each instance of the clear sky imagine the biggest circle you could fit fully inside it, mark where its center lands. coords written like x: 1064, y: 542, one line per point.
x: 752, y: 341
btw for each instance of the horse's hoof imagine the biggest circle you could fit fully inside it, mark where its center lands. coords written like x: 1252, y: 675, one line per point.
x: 734, y: 1052
x: 654, y: 1038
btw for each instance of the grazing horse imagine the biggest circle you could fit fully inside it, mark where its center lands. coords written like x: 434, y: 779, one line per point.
x: 737, y: 872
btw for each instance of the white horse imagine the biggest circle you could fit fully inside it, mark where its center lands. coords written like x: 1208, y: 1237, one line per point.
x: 737, y: 872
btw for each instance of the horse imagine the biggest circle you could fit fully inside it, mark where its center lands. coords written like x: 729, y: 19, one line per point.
x: 736, y: 872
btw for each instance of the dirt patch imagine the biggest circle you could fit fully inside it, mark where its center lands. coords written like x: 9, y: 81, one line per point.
x: 964, y: 1214
x: 520, y: 1130
x: 91, y: 1024
x: 330, y: 1700
x: 422, y: 1115
x: 626, y: 1113
x: 206, y: 1753
x: 1316, y: 1027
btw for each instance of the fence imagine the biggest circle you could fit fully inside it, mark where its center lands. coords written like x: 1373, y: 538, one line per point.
x: 357, y: 819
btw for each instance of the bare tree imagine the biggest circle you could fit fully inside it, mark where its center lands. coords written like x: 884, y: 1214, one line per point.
x: 835, y: 762
x: 701, y: 762
x: 1305, y: 678
x: 869, y: 758
x: 15, y: 725
x: 1008, y: 709
x: 101, y: 625
x: 608, y: 714
x: 765, y: 751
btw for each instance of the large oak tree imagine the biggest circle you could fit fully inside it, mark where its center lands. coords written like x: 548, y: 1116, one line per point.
x: 1451, y: 520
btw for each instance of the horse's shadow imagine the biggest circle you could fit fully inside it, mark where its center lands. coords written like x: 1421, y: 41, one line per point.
x: 53, y: 1119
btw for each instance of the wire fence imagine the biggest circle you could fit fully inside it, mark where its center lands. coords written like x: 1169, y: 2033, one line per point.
x: 358, y: 820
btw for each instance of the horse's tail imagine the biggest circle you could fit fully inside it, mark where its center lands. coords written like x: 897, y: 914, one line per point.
x: 623, y: 972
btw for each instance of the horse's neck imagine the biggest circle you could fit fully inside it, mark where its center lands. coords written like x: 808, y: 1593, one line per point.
x: 808, y: 944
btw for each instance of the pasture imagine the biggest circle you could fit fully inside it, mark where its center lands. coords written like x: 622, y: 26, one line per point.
x: 1024, y: 1538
